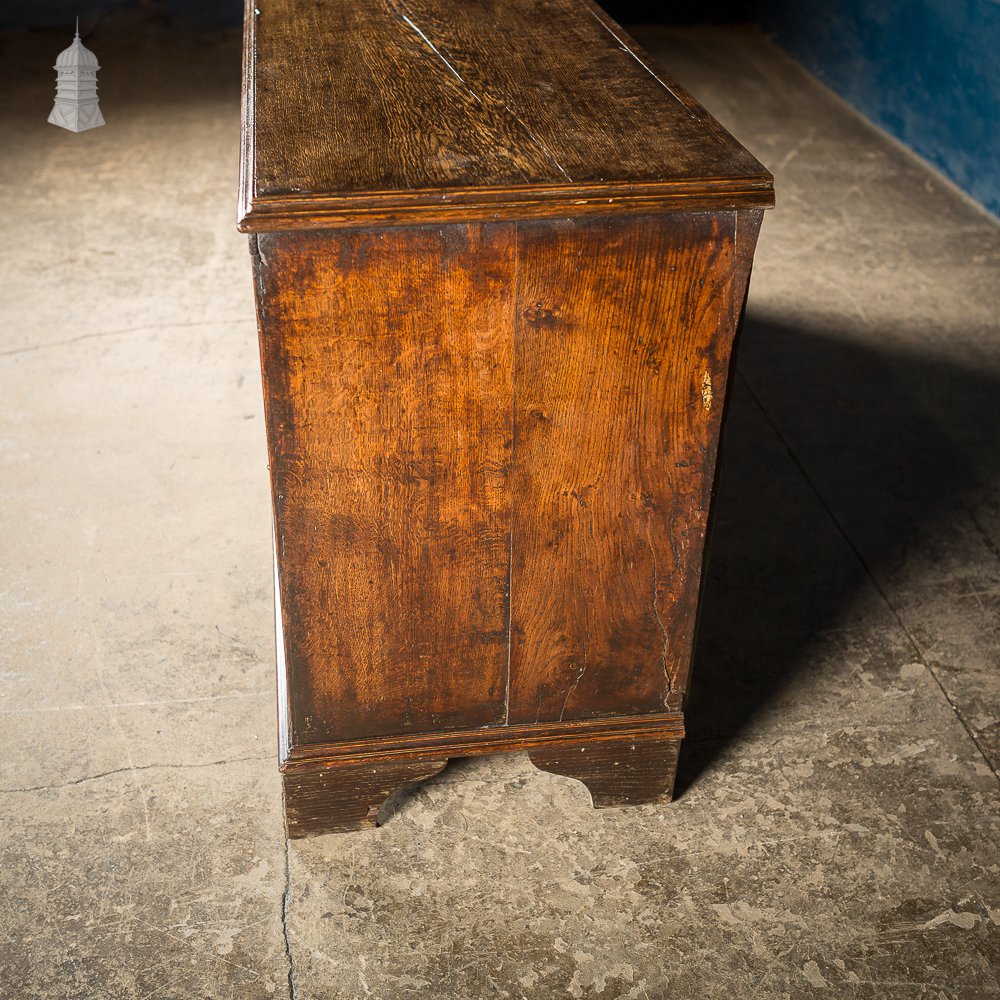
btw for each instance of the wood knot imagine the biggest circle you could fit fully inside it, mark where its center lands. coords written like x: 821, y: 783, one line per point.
x: 538, y: 315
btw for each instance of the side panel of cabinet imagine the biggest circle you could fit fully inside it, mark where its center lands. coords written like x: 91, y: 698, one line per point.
x: 387, y: 364
x: 622, y: 354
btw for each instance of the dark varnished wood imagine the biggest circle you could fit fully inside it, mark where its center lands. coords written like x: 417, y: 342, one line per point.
x: 488, y: 204
x: 493, y: 739
x: 432, y: 110
x: 499, y: 263
x: 624, y: 331
x: 492, y: 454
x: 330, y: 799
x: 387, y: 371
x: 340, y: 786
x: 616, y: 774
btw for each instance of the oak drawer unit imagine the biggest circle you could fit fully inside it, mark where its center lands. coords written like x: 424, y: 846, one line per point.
x: 499, y: 262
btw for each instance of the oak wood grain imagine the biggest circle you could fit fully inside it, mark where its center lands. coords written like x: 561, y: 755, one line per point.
x: 500, y: 260
x: 288, y: 212
x: 323, y: 799
x: 491, y: 739
x: 616, y: 774
x: 387, y: 373
x: 622, y: 351
x: 409, y: 108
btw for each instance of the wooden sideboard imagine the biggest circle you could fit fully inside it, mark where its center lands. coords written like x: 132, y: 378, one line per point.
x: 499, y: 261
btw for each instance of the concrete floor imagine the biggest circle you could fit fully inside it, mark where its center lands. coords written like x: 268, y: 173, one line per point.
x: 836, y: 834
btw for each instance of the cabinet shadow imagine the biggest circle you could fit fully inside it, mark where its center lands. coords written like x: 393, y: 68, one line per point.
x: 840, y: 459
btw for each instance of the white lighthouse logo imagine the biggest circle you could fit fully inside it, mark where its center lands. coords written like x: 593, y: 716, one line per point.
x: 76, y: 106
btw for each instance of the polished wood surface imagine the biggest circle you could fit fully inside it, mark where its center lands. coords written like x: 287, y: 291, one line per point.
x: 499, y: 267
x: 616, y: 773
x: 329, y: 798
x: 424, y: 110
x: 491, y: 739
x: 388, y: 379
x: 622, y: 346
x: 492, y: 449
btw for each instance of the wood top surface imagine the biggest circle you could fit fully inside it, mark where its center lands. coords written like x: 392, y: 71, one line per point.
x: 405, y: 111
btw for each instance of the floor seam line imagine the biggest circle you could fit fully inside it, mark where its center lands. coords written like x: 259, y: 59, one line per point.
x: 868, y: 572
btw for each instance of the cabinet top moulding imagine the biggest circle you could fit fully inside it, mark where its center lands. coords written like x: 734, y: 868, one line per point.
x: 400, y: 112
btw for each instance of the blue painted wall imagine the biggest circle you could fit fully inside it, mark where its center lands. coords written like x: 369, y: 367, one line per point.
x: 927, y: 71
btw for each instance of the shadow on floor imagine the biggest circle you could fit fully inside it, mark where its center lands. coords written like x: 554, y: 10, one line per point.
x: 839, y: 462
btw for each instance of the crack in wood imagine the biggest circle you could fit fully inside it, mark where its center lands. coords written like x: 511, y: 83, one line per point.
x: 549, y: 155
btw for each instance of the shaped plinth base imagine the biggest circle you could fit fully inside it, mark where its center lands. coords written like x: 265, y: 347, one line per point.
x: 340, y: 798
x: 616, y: 773
x: 623, y: 761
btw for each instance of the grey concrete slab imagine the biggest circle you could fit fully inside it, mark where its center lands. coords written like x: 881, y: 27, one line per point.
x: 797, y: 863
x: 137, y: 539
x: 163, y: 881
